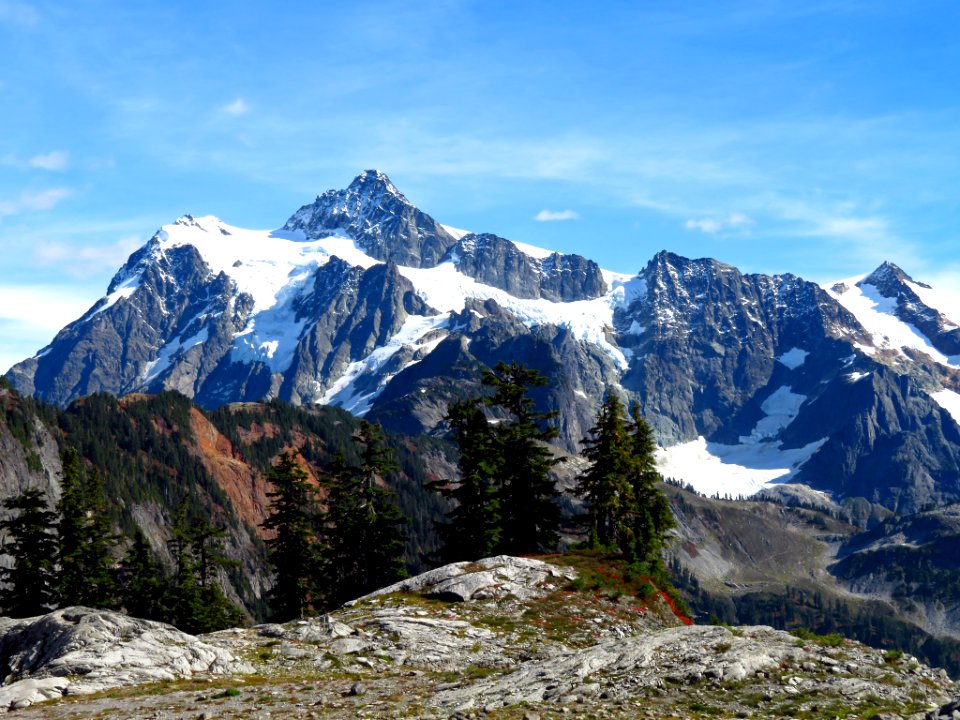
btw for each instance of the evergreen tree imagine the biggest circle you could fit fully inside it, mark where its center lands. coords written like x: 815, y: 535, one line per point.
x: 193, y: 601
x: 365, y: 528
x: 85, y: 539
x: 653, y: 517
x: 141, y: 582
x: 32, y: 543
x: 472, y: 530
x: 293, y: 547
x: 181, y: 599
x: 529, y: 509
x: 625, y: 507
x: 606, y: 485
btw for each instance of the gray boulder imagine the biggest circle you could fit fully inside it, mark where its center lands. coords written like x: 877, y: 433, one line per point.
x: 490, y: 578
x: 78, y: 650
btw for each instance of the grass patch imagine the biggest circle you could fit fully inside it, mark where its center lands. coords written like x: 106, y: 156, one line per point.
x: 829, y: 640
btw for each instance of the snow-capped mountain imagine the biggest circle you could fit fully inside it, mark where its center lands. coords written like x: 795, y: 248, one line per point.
x: 363, y: 301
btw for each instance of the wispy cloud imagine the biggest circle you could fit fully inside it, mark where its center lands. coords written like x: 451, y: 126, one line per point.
x: 31, y: 315
x: 34, y: 201
x: 713, y: 225
x: 556, y: 215
x: 56, y: 160
x: 17, y: 13
x: 88, y: 259
x: 237, y: 107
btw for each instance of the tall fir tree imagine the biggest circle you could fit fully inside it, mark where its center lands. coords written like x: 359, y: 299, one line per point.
x: 293, y: 546
x: 366, y: 532
x: 140, y: 581
x: 529, y: 500
x: 192, y: 600
x: 606, y: 485
x: 32, y: 544
x: 472, y: 528
x: 653, y: 517
x: 86, y: 540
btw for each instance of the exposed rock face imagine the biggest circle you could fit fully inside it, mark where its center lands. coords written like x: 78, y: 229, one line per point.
x: 499, y: 263
x: 379, y: 218
x: 113, y: 347
x: 705, y: 339
x: 78, y: 651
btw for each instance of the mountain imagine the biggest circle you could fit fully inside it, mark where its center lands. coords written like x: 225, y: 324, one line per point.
x: 363, y: 301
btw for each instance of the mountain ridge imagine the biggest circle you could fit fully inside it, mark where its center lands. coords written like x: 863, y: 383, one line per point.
x: 362, y: 300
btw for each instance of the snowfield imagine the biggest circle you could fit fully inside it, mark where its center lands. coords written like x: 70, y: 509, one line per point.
x: 878, y: 315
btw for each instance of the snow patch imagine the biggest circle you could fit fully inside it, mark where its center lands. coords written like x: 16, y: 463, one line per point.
x: 781, y: 408
x: 155, y: 368
x: 717, y: 469
x: 855, y: 376
x: 793, y: 358
x: 949, y: 400
x: 945, y: 302
x: 878, y: 315
x: 260, y: 262
x: 127, y: 288
x: 457, y: 233
x: 445, y: 288
x: 352, y: 390
x: 532, y: 250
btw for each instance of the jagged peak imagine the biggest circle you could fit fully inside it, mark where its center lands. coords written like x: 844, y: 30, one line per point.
x: 375, y: 180
x: 665, y: 260
x: 889, y: 272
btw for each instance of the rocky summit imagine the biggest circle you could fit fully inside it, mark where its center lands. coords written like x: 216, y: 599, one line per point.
x: 501, y: 638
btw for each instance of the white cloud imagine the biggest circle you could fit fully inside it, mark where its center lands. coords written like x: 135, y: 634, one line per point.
x: 556, y: 215
x: 237, y: 107
x: 56, y: 160
x: 30, y: 201
x: 712, y: 225
x: 31, y: 315
x: 17, y: 13
x: 89, y: 259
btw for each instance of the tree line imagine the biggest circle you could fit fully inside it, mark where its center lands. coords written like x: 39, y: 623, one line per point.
x: 341, y: 534
x: 506, y: 500
x: 66, y: 555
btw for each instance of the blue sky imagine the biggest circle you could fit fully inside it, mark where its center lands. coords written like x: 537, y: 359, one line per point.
x: 819, y: 138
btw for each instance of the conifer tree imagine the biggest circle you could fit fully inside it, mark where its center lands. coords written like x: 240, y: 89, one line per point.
x: 141, y: 582
x: 85, y: 539
x: 472, y: 530
x: 293, y: 548
x: 32, y: 544
x: 625, y: 507
x: 182, y: 604
x: 193, y: 601
x: 364, y: 526
x: 529, y: 509
x: 653, y: 517
x: 606, y: 484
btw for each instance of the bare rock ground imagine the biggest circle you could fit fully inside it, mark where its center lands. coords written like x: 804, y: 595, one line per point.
x: 503, y: 638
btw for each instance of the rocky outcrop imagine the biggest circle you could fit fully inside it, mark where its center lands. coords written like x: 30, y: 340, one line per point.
x: 492, y: 578
x: 76, y: 651
x: 497, y: 262
x: 561, y: 651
